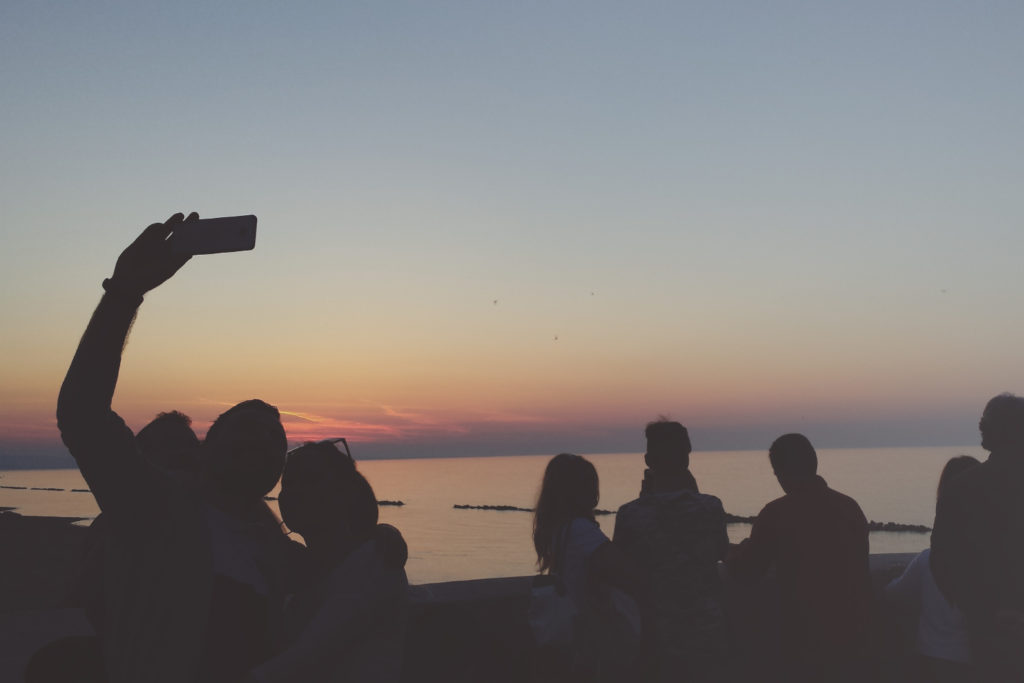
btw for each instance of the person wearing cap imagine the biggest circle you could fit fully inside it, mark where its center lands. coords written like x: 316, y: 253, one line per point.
x: 817, y: 540
x: 678, y: 536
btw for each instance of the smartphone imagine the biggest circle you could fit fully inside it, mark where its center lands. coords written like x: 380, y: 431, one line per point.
x: 215, y: 235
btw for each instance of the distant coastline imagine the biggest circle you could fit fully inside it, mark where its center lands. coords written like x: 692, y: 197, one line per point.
x: 729, y: 519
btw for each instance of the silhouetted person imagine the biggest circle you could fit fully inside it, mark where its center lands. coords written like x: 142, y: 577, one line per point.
x: 941, y: 636
x: 190, y: 572
x: 169, y: 443
x: 678, y: 536
x: 817, y: 539
x: 570, y: 543
x: 348, y: 620
x: 978, y: 544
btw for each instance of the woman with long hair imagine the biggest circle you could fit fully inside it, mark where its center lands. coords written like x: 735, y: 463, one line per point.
x: 597, y: 577
x: 942, y: 647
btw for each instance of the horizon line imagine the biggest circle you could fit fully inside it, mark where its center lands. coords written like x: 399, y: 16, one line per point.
x: 21, y: 461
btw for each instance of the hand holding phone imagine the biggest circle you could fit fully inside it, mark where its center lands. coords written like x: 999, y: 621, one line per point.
x: 215, y: 235
x: 150, y: 259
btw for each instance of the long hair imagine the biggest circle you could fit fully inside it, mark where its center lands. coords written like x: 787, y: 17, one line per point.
x: 956, y: 466
x: 569, y: 490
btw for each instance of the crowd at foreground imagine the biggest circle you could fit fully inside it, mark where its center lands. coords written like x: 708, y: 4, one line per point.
x: 189, y: 576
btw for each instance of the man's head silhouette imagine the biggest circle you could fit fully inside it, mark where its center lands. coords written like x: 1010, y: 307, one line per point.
x: 668, y: 446
x: 793, y: 460
x: 1002, y: 424
x: 244, y: 451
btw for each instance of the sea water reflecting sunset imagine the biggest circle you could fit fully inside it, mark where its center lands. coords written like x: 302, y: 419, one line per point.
x: 891, y: 485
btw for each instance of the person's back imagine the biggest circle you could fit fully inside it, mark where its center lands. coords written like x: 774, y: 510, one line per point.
x: 817, y: 539
x: 821, y: 565
x: 991, y: 499
x: 678, y: 536
x: 978, y: 543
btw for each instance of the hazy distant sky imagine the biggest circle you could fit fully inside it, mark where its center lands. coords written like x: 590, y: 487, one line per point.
x: 526, y: 227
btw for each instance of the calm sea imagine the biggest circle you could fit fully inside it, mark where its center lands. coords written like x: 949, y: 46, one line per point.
x: 891, y: 485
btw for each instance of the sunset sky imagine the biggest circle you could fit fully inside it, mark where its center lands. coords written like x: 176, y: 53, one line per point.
x: 525, y: 227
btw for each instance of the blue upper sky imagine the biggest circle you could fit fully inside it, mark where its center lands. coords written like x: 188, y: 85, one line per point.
x: 799, y: 203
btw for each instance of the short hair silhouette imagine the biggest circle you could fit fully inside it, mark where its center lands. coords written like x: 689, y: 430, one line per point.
x: 954, y: 467
x: 169, y: 442
x: 321, y: 487
x: 1002, y: 423
x: 569, y: 489
x: 793, y: 456
x: 244, y: 449
x: 668, y: 445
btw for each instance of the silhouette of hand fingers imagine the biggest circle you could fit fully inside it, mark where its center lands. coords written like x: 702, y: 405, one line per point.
x: 158, y: 232
x: 149, y: 260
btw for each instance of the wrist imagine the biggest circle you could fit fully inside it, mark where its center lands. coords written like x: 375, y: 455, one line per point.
x: 119, y: 291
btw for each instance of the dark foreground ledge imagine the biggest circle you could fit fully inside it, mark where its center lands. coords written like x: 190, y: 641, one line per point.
x: 477, y: 630
x: 460, y: 630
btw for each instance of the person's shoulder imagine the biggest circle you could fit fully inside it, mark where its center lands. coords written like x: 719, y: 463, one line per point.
x: 363, y: 562
x: 694, y: 506
x: 391, y: 545
x: 583, y: 525
x: 975, y: 479
x: 630, y: 508
x: 775, y: 507
x: 843, y: 500
x: 710, y: 502
x: 385, y: 572
x: 585, y: 531
x: 847, y: 508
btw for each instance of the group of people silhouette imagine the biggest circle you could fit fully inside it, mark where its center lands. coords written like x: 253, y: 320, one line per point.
x: 190, y: 576
x: 670, y: 552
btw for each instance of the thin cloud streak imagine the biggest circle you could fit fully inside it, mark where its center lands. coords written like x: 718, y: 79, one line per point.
x: 387, y: 423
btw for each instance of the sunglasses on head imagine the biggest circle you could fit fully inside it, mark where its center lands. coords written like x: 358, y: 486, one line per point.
x: 344, y: 450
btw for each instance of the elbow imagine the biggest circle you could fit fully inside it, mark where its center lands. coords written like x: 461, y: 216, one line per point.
x: 69, y: 408
x: 75, y: 410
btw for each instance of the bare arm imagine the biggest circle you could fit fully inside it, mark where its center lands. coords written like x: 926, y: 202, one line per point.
x: 96, y: 436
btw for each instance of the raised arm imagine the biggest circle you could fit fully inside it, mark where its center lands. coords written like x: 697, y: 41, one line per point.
x: 100, y: 442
